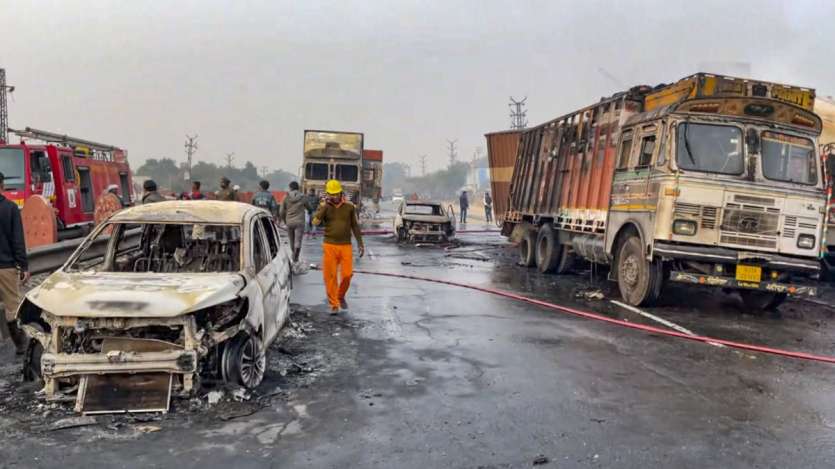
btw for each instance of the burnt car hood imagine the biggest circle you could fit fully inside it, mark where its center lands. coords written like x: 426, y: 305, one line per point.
x: 112, y: 295
x: 426, y: 218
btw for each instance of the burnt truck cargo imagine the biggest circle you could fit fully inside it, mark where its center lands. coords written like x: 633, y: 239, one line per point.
x: 712, y: 180
x: 502, y: 148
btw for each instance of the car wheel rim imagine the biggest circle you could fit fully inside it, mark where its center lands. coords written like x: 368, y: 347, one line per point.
x: 252, y: 363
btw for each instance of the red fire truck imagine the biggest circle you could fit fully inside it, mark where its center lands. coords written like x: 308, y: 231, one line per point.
x: 69, y: 172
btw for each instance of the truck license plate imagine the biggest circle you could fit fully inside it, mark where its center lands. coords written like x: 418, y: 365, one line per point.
x: 749, y: 273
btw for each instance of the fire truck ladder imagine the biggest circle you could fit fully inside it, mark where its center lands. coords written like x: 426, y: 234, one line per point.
x: 66, y: 140
x: 4, y: 110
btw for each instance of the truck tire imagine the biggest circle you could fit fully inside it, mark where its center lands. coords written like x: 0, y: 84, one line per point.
x: 758, y: 301
x: 527, y: 249
x: 548, y: 249
x: 639, y: 280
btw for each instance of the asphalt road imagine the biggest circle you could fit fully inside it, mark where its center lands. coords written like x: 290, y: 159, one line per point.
x: 419, y: 375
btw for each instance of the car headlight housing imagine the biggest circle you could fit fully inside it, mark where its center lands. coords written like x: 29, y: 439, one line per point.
x: 806, y: 241
x: 684, y: 227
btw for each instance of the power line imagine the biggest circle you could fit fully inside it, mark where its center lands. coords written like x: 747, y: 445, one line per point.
x: 4, y: 110
x: 191, y: 148
x: 453, y: 152
x: 423, y: 164
x: 518, y: 113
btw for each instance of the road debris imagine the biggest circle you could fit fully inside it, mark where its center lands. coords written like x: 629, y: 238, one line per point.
x: 540, y: 460
x: 590, y: 294
x: 73, y: 422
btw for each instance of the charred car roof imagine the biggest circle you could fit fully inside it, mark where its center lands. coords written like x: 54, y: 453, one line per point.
x: 187, y: 211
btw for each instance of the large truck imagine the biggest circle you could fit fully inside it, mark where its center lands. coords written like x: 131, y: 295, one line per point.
x: 70, y: 173
x: 336, y: 155
x: 712, y: 181
x: 372, y: 177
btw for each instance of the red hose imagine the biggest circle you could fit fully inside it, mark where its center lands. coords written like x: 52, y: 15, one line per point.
x: 599, y: 317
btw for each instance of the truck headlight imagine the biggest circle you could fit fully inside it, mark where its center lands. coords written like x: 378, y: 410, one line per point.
x: 806, y: 241
x: 684, y: 227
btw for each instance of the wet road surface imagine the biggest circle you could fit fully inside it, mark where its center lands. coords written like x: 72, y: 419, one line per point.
x: 422, y: 375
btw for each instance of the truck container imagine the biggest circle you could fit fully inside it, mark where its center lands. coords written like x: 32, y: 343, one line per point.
x: 711, y: 180
x: 501, y: 156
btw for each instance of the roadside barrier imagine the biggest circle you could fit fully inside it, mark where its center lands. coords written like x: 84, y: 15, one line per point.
x: 617, y: 322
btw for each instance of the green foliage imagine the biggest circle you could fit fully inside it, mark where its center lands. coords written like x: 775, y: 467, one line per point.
x: 170, y: 175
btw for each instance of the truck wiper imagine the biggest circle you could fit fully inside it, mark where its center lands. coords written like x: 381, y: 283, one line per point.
x: 687, y: 144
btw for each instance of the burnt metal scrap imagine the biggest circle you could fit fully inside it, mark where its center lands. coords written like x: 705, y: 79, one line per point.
x: 126, y: 331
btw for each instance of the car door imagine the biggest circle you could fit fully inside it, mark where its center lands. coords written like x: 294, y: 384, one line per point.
x: 276, y: 278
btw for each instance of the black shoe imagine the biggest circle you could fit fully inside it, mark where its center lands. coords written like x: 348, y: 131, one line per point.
x: 343, y: 304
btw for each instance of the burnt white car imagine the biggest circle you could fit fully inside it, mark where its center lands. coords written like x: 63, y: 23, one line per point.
x: 156, y: 298
x: 424, y: 221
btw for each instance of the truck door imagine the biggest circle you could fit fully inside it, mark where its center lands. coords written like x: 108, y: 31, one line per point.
x: 85, y: 188
x: 67, y: 196
x: 40, y: 171
x: 643, y: 165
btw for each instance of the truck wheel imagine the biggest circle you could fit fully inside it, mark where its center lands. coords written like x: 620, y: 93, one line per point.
x: 759, y: 301
x: 566, y: 261
x: 527, y: 249
x: 548, y: 249
x: 639, y: 280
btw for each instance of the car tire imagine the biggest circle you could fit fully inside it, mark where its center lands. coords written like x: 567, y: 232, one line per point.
x: 527, y: 249
x: 758, y: 301
x: 244, y: 361
x: 32, y: 361
x: 548, y: 249
x: 639, y: 280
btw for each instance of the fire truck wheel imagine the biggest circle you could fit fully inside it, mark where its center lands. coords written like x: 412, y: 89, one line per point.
x: 527, y: 249
x: 548, y: 249
x: 639, y: 280
x: 758, y: 301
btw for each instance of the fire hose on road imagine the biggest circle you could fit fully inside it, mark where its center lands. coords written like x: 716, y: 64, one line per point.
x: 617, y: 322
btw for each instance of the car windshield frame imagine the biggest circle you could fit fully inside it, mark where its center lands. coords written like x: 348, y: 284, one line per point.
x: 430, y: 206
x: 104, y: 234
x: 688, y: 155
x: 11, y: 173
x: 789, y: 142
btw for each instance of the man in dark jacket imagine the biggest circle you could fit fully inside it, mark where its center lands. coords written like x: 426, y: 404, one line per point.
x: 463, y: 206
x: 226, y: 192
x: 14, y: 268
x: 293, y: 208
x: 488, y: 207
x: 151, y: 195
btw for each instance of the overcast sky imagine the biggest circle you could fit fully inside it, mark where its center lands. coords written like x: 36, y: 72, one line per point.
x: 249, y: 77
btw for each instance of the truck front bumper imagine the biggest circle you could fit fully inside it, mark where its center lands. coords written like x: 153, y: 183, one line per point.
x: 718, y: 255
x: 730, y: 282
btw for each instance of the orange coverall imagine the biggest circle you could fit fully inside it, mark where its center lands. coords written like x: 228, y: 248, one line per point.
x: 337, y: 257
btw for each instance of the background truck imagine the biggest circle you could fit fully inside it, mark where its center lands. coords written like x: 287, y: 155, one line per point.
x: 712, y: 180
x: 336, y: 155
x: 372, y: 177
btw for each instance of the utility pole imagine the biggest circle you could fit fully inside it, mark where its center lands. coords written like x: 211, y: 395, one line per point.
x: 423, y: 165
x: 518, y: 114
x: 453, y: 152
x: 4, y: 109
x: 230, y: 157
x: 191, y: 147
x: 477, y: 154
x: 265, y: 170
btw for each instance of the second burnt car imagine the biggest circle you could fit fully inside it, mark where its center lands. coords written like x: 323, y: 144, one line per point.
x: 184, y: 290
x: 423, y: 221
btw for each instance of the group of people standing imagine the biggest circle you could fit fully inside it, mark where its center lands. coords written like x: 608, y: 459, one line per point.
x: 464, y: 207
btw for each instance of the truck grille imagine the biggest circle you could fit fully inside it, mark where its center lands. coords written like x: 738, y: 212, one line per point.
x: 750, y: 225
x: 750, y: 220
x: 707, y: 215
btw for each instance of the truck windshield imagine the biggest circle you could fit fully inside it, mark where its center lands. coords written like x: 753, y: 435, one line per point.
x: 346, y: 172
x: 709, y: 148
x: 317, y: 171
x: 788, y: 158
x: 11, y: 165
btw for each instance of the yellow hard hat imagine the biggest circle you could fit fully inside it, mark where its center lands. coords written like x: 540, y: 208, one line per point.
x: 333, y: 187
